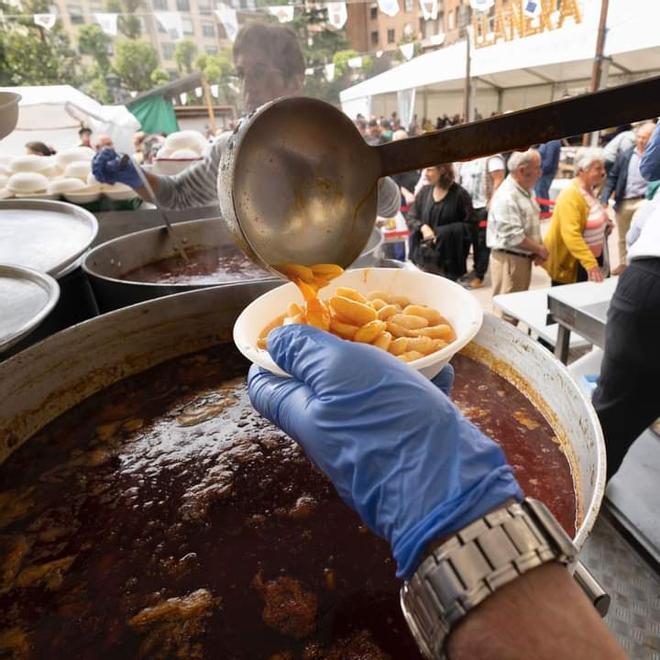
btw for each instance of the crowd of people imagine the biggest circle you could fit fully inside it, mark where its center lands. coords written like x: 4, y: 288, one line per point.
x: 493, y: 206
x: 379, y: 130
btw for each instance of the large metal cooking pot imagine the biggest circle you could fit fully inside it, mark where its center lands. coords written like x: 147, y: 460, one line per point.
x: 107, y: 263
x: 113, y: 224
x: 49, y: 378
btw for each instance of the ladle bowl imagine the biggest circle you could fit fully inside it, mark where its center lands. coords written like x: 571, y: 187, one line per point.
x: 288, y: 189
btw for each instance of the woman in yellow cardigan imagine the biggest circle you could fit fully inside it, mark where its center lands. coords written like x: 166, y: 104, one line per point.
x: 579, y: 225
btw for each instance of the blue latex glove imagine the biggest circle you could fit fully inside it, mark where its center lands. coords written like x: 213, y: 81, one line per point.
x: 107, y: 168
x: 396, y: 448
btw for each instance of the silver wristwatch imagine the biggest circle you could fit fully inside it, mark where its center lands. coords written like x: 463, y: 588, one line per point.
x: 484, y: 556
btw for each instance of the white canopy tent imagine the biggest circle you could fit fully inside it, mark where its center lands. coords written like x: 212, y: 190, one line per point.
x: 522, y: 72
x: 54, y: 114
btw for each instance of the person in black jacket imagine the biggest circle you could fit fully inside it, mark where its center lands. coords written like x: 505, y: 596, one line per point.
x: 439, y: 224
x: 629, y: 187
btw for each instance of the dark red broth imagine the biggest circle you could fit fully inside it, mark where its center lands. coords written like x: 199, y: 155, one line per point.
x: 163, y: 518
x: 207, y: 266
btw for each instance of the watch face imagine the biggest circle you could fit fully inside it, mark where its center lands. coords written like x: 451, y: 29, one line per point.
x: 410, y: 617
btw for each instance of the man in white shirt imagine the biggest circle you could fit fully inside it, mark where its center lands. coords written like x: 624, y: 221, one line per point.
x: 627, y: 399
x: 514, y: 232
x: 481, y: 178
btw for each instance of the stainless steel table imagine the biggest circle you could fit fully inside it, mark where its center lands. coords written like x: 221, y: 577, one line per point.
x: 580, y: 308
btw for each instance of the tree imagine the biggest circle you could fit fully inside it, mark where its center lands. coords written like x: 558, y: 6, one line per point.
x: 159, y: 77
x: 97, y: 88
x: 184, y: 55
x: 94, y: 42
x: 218, y: 70
x: 128, y: 23
x: 135, y: 62
x: 32, y: 55
x: 343, y: 70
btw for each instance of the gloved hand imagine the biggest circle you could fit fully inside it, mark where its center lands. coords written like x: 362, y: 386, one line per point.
x: 396, y: 448
x: 107, y: 167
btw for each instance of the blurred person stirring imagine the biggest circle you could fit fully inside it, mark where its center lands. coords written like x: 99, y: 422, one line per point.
x: 270, y: 65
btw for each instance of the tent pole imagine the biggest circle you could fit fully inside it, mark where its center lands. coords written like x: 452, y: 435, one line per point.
x: 209, y: 105
x: 468, y: 83
x: 597, y: 69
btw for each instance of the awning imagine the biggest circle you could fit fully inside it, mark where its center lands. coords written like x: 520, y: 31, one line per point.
x: 54, y: 113
x: 155, y: 114
x: 154, y: 108
x: 172, y: 89
x: 524, y: 71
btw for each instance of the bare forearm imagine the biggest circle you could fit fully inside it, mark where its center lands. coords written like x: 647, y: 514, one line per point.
x: 542, y: 615
x: 530, y: 245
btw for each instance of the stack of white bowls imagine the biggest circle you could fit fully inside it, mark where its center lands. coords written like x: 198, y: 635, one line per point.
x: 67, y: 174
x: 181, y: 149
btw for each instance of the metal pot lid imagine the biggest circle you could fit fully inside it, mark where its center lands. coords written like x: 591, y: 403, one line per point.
x: 44, y: 235
x: 26, y: 298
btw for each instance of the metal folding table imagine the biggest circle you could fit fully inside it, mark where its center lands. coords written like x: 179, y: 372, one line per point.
x: 580, y: 308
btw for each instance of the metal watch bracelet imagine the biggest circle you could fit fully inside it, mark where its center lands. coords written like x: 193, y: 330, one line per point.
x: 479, y: 559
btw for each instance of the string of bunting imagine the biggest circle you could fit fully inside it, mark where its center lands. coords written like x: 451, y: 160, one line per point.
x: 172, y: 23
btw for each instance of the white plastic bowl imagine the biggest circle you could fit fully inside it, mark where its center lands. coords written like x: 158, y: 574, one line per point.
x: 64, y: 185
x: 25, y: 183
x: 118, y: 191
x: 456, y: 304
x: 79, y: 169
x: 44, y: 194
x: 63, y: 158
x: 85, y: 195
x: 186, y: 140
x: 30, y: 163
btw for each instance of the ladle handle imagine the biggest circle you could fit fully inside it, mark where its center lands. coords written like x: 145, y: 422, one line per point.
x: 524, y: 128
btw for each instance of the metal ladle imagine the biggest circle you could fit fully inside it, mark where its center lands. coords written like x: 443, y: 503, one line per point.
x: 298, y: 184
x: 178, y: 245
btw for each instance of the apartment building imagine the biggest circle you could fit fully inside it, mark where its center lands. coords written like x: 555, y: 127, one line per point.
x: 457, y: 14
x: 368, y: 29
x: 199, y: 23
